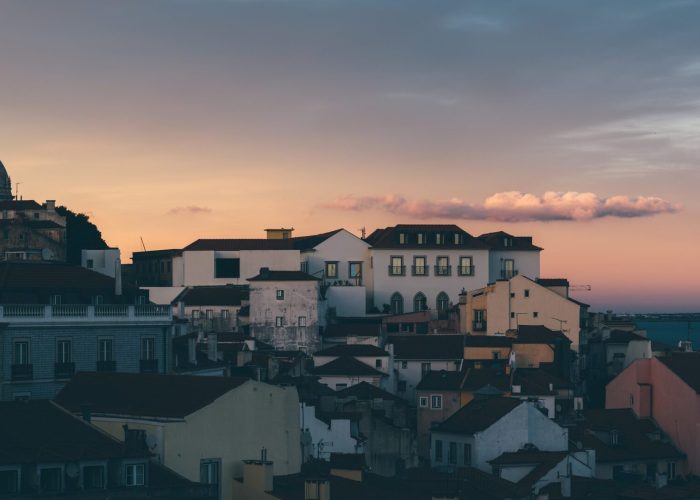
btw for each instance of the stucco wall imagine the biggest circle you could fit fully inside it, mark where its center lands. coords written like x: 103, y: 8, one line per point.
x: 527, y: 263
x: 199, y: 266
x: 412, y: 375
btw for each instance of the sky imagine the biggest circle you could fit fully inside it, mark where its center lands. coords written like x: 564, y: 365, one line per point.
x: 576, y: 122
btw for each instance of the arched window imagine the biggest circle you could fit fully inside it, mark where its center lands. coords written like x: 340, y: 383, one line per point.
x: 396, y: 303
x: 420, y: 303
x: 443, y: 304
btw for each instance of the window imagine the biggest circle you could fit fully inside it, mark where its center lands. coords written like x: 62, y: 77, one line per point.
x: 9, y: 481
x: 508, y: 269
x: 401, y: 386
x: 526, y: 293
x: 442, y: 266
x: 331, y: 269
x: 535, y: 314
x: 55, y: 300
x: 443, y: 305
x: 93, y: 477
x: 279, y: 294
x: 512, y: 315
x: 196, y: 314
x: 396, y: 267
x: 136, y: 474
x: 402, y: 238
x: 20, y: 355
x: 355, y: 272
x: 304, y: 267
x: 209, y: 313
x: 439, y: 238
x: 423, y: 401
x: 436, y: 402
x: 495, y: 355
x: 104, y: 350
x: 467, y: 456
x: 614, y: 438
x: 438, y: 450
x: 507, y: 242
x: 670, y: 471
x: 420, y: 268
x: 64, y: 351
x: 279, y: 321
x: 50, y: 479
x: 227, y: 268
x: 148, y: 349
x: 140, y: 300
x: 466, y: 267
x: 340, y: 387
x: 420, y: 238
x: 377, y: 363
x: 90, y: 264
x: 420, y: 303
x: 301, y: 321
x: 98, y: 300
x: 404, y: 364
x: 225, y: 314
x: 396, y: 303
x: 424, y: 368
x: 458, y: 239
x: 452, y: 453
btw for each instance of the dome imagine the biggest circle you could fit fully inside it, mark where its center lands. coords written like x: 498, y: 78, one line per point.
x: 5, y: 184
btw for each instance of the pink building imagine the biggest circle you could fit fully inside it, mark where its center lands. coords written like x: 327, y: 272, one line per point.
x: 668, y: 391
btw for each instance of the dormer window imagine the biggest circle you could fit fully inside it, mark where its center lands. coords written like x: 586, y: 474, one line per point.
x: 507, y: 242
x: 420, y: 237
x: 439, y: 238
x: 402, y: 238
x: 458, y: 239
x: 614, y: 438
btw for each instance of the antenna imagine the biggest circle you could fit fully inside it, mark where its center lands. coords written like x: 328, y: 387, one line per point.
x: 142, y: 244
x: 17, y: 190
x: 363, y: 230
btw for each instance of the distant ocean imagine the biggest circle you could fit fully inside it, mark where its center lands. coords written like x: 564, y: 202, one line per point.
x: 671, y: 331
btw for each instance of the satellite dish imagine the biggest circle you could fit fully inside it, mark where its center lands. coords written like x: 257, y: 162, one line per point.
x: 72, y: 470
x: 151, y: 442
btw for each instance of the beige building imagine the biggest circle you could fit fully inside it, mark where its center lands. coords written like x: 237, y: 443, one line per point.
x: 506, y: 304
x: 201, y: 427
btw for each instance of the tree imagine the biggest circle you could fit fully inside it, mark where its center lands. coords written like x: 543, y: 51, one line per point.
x: 81, y: 234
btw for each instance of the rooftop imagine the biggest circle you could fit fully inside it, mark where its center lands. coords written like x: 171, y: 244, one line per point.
x: 497, y: 241
x: 269, y: 275
x: 453, y: 237
x: 428, y: 347
x: 33, y: 275
x: 686, y: 366
x: 346, y: 365
x: 367, y: 392
x: 357, y: 350
x: 536, y: 334
x: 226, y: 295
x: 478, y: 415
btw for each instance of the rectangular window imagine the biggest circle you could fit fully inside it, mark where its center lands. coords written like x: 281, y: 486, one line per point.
x: 396, y: 267
x: 279, y: 321
x: 535, y: 314
x: 227, y: 268
x: 20, y: 354
x: 301, y: 321
x: 93, y: 477
x: 526, y: 293
x: 420, y: 267
x: 467, y: 458
x: 9, y: 481
x: 508, y: 269
x: 104, y: 350
x: 64, y: 351
x: 442, y: 267
x: 225, y: 314
x: 452, y: 453
x: 209, y: 313
x: 279, y: 294
x: 148, y: 349
x: 670, y: 471
x: 51, y: 479
x: 436, y: 402
x: 98, y: 300
x: 424, y: 368
x: 420, y: 237
x: 404, y: 365
x: 466, y: 267
x: 402, y: 238
x: 423, y: 401
x: 458, y: 239
x: 439, y: 238
x: 377, y: 363
x: 136, y: 475
x: 196, y: 314
x: 56, y: 300
x: 438, y: 451
x: 331, y: 269
x: 90, y: 264
x: 355, y: 272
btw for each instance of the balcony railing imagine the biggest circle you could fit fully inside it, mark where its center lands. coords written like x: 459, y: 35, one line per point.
x: 397, y: 270
x: 507, y: 274
x: 465, y: 270
x: 149, y: 366
x: 419, y: 270
x: 106, y: 366
x: 479, y: 326
x: 443, y: 270
x: 81, y: 312
x: 64, y: 370
x: 22, y: 372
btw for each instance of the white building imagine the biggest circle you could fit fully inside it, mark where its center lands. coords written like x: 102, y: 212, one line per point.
x: 107, y: 261
x: 511, y: 255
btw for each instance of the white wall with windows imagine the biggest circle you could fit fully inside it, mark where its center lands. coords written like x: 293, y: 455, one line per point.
x: 504, y: 264
x: 208, y: 267
x: 409, y: 373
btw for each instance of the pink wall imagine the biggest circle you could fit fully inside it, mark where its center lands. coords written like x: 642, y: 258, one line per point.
x: 674, y: 405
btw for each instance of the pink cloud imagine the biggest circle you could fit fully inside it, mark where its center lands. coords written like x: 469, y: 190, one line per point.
x: 513, y: 206
x: 191, y: 209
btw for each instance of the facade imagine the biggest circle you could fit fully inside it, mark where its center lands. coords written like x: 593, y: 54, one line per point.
x: 30, y: 231
x: 666, y: 390
x: 154, y: 268
x: 286, y: 309
x: 506, y: 304
x: 49, y: 453
x: 511, y: 256
x: 200, y: 427
x: 213, y: 308
x: 107, y: 261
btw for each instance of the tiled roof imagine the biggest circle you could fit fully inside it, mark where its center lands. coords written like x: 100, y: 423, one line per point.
x: 686, y: 366
x: 552, y: 281
x: 269, y: 275
x: 544, y: 461
x: 367, y: 392
x: 428, y: 347
x: 297, y: 243
x: 441, y: 380
x: 225, y: 295
x: 623, y: 337
x: 348, y: 461
x: 346, y: 365
x: 147, y: 395
x: 487, y: 341
x: 170, y: 252
x: 536, y: 334
x: 389, y: 237
x: 38, y: 275
x: 309, y: 242
x: 496, y: 241
x: 478, y: 415
x: 39, y: 431
x: 361, y: 350
x: 536, y: 382
x: 20, y: 205
x: 354, y: 327
x: 478, y: 378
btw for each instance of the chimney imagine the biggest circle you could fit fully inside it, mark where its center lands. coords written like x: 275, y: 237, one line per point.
x: 51, y: 205
x: 212, y: 347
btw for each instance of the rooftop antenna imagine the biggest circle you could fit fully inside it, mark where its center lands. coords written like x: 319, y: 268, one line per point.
x: 363, y: 230
x: 142, y: 244
x: 17, y: 190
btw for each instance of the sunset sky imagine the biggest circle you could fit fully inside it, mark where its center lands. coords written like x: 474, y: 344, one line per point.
x: 576, y: 122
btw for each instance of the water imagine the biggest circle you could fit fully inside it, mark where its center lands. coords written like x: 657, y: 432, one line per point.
x: 670, y: 332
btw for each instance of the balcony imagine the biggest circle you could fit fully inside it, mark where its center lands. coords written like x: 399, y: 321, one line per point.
x: 465, y: 270
x: 507, y: 274
x: 106, y: 366
x: 21, y: 372
x: 149, y: 366
x: 443, y: 270
x: 479, y: 326
x: 419, y: 270
x: 71, y: 313
x: 397, y: 270
x: 64, y: 370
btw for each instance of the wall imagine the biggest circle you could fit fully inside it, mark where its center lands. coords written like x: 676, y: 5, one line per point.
x: 336, y: 436
x: 486, y: 352
x: 348, y: 301
x: 199, y: 266
x: 412, y: 374
x: 104, y: 261
x: 527, y: 263
x: 163, y: 294
x: 531, y: 355
x: 426, y: 416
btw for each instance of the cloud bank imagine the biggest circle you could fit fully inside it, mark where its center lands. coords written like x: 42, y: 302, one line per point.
x: 513, y: 206
x: 190, y: 209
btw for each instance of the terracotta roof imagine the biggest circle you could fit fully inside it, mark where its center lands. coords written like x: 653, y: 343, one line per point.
x: 428, y: 347
x: 37, y: 275
x: 269, y: 275
x: 389, y: 237
x: 686, y: 366
x: 148, y: 395
x: 496, y: 241
x: 226, y: 295
x: 478, y: 415
x: 361, y: 350
x: 40, y: 431
x: 536, y: 334
x: 346, y: 365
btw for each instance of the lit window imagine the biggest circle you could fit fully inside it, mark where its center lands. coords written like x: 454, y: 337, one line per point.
x: 436, y: 401
x: 402, y: 238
